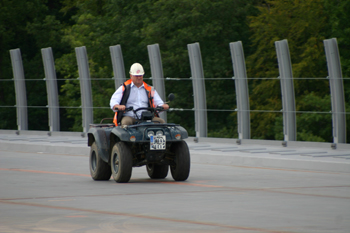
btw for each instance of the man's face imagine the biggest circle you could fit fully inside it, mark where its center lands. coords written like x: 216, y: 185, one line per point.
x: 137, y: 79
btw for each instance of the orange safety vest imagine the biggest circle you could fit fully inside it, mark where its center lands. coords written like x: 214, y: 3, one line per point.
x: 126, y: 92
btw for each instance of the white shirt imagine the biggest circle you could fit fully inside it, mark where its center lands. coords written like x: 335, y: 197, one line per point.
x: 138, y: 99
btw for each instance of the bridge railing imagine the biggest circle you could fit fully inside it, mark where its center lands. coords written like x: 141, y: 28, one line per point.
x: 198, y: 82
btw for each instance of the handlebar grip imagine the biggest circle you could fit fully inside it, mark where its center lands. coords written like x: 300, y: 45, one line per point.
x: 126, y: 109
x: 159, y: 108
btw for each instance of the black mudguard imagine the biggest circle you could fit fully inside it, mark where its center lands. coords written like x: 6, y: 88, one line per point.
x: 121, y: 134
x: 101, y: 138
x: 183, y: 132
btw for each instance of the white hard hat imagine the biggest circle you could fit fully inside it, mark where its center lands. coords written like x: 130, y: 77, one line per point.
x: 136, y: 69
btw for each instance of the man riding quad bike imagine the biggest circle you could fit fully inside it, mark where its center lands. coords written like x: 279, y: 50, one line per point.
x: 115, y: 150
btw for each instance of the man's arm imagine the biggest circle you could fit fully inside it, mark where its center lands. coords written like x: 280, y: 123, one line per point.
x: 115, y: 100
x: 159, y: 102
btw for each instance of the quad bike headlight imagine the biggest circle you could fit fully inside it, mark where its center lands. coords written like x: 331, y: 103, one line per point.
x: 150, y: 133
x: 159, y: 132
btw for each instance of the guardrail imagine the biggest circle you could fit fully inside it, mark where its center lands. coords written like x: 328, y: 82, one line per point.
x: 197, y: 77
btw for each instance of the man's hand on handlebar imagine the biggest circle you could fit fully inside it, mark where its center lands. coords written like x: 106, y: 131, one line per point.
x: 164, y: 106
x: 119, y: 107
x: 122, y: 108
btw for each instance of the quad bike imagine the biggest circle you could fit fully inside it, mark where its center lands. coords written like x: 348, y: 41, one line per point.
x: 115, y: 150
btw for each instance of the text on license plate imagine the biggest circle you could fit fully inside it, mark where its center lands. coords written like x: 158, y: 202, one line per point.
x: 157, y: 142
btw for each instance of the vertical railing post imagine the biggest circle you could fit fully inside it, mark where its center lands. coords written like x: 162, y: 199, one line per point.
x: 287, y: 90
x: 118, y: 65
x: 242, y: 94
x: 20, y: 88
x: 52, y: 91
x: 337, y: 90
x: 157, y: 73
x: 85, y: 87
x: 200, y: 103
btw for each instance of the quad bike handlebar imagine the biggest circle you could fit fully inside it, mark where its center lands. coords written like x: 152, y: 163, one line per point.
x: 157, y: 109
x: 131, y: 108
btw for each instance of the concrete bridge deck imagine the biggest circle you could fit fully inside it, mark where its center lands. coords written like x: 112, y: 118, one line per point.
x: 258, y: 186
x: 299, y: 155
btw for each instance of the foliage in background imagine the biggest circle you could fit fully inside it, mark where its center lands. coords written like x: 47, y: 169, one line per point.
x: 305, y: 24
x: 173, y: 24
x: 29, y: 26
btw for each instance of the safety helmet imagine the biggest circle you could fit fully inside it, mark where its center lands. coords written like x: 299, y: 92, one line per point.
x: 136, y: 69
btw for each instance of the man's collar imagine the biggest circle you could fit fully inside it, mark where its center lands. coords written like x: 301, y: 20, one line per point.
x: 132, y: 84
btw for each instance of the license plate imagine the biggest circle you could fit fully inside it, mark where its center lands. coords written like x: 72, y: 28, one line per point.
x: 157, y: 142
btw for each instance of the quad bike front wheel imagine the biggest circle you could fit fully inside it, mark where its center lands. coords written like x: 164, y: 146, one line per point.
x: 121, y: 162
x: 180, y: 170
x: 99, y: 169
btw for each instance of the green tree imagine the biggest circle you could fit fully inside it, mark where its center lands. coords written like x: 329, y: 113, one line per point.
x: 173, y: 25
x: 30, y: 26
x: 303, y: 24
x: 15, y: 18
x: 214, y: 24
x: 97, y: 27
x: 340, y: 29
x: 67, y: 24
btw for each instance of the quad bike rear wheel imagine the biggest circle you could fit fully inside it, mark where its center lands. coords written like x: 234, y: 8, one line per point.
x: 156, y: 171
x: 99, y: 169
